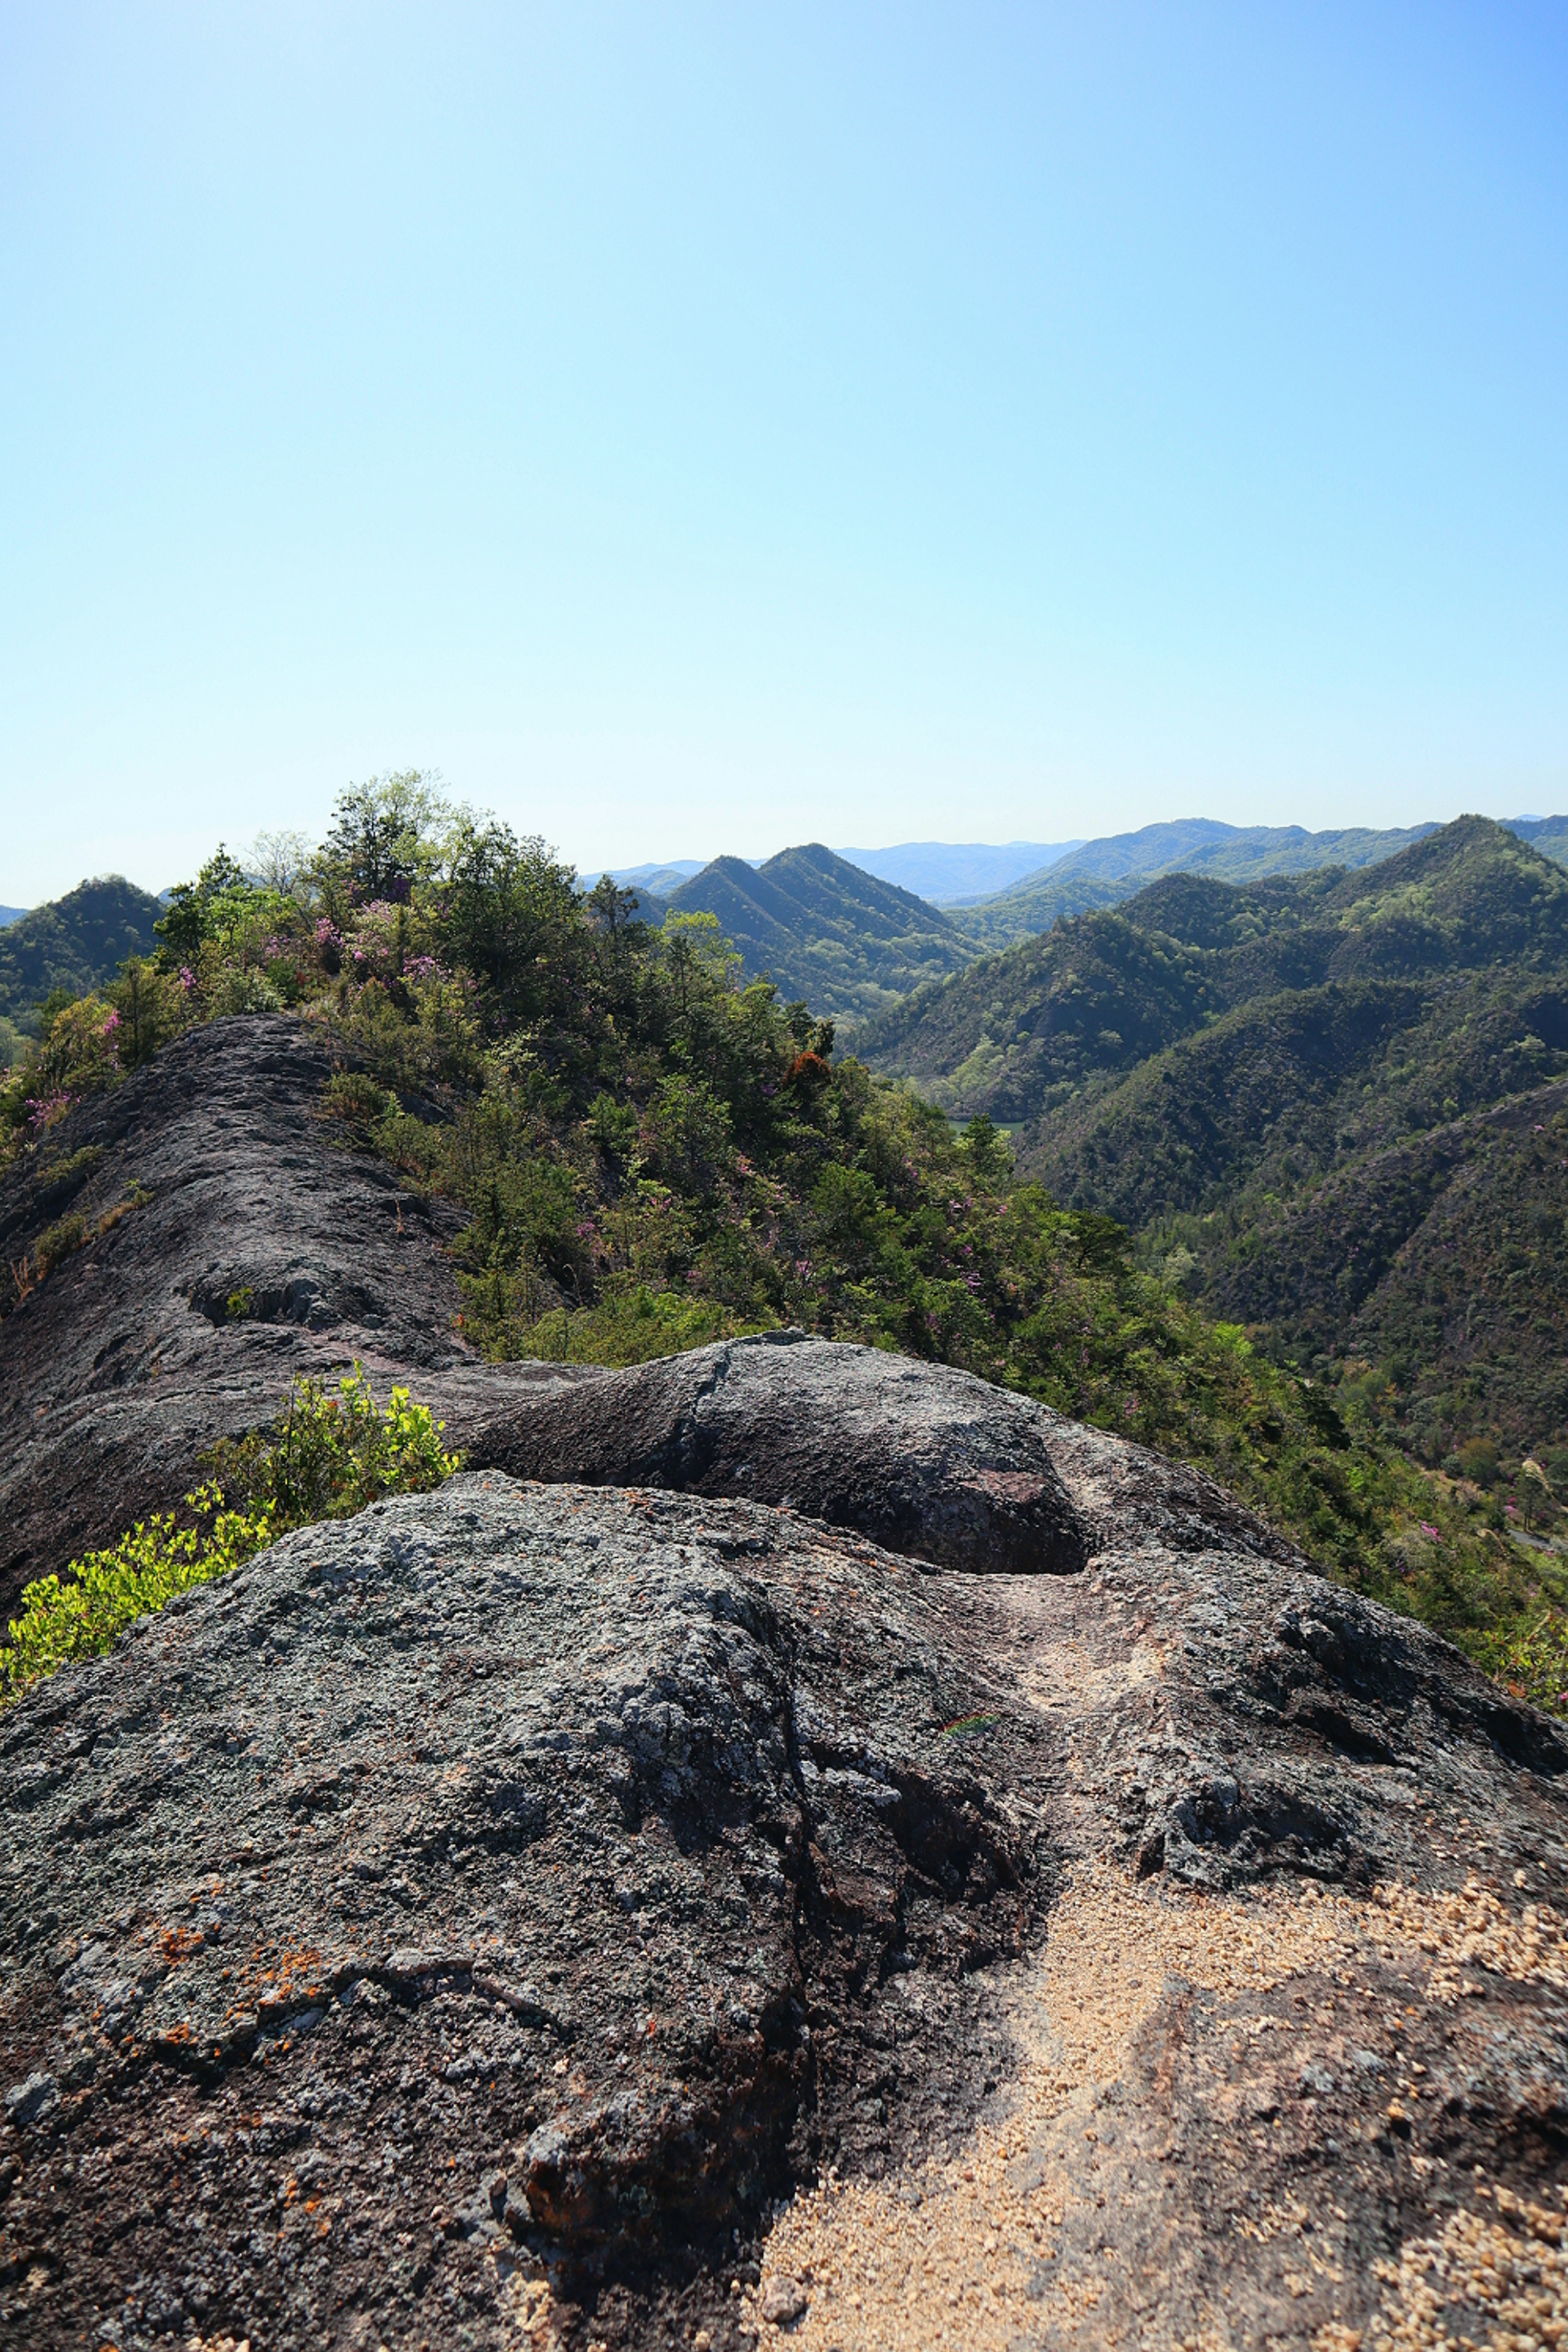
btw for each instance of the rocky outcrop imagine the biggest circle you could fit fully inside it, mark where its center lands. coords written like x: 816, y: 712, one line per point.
x: 232, y: 1243
x: 923, y: 1459
x: 551, y: 1904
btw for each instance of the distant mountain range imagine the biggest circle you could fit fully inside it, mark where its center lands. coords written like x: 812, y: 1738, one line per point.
x: 1102, y: 872
x: 845, y: 930
x: 1334, y: 1104
x: 851, y: 941
x: 938, y: 871
x: 655, y: 881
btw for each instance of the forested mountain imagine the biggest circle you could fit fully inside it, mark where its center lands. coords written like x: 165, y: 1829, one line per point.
x: 73, y: 942
x: 825, y: 931
x: 1103, y: 872
x: 1334, y: 1104
x: 640, y: 1152
x: 1549, y: 834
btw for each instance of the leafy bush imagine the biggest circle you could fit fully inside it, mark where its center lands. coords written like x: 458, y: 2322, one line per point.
x: 57, y: 1244
x: 107, y: 1591
x: 324, y: 1457
x: 1531, y: 1661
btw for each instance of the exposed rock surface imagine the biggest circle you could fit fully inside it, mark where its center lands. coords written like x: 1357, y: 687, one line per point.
x: 481, y: 1910
x: 922, y: 1458
x: 594, y: 1914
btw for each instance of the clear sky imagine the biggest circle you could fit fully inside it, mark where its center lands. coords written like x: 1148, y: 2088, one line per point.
x: 696, y: 429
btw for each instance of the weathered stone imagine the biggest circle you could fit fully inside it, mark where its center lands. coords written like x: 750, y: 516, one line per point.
x: 922, y: 1458
x: 782, y: 2302
x: 125, y: 1363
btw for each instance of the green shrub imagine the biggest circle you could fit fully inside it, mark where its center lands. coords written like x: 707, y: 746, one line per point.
x: 630, y: 1326
x: 1479, y: 1460
x: 1531, y: 1661
x: 109, y: 1590
x: 324, y: 1457
x: 242, y: 990
x: 354, y: 1096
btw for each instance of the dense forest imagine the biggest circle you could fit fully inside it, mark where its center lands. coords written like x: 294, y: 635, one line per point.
x: 1331, y: 1105
x: 1104, y: 872
x: 650, y: 1149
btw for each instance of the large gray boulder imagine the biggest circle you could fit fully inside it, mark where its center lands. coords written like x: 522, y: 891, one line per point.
x: 923, y: 1459
x: 567, y: 1915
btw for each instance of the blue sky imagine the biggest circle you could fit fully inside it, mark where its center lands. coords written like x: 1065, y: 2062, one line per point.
x: 699, y: 429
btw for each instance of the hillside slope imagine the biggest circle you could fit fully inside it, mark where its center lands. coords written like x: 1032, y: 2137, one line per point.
x: 1018, y: 1032
x: 625, y: 1918
x: 826, y: 931
x: 1102, y: 873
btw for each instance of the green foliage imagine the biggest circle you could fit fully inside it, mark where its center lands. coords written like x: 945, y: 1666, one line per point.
x: 386, y: 837
x: 153, y: 1006
x: 1531, y: 1658
x: 209, y: 908
x: 651, y: 1150
x: 824, y: 930
x: 509, y: 911
x: 328, y: 1455
x: 325, y: 1456
x: 628, y: 1324
x: 1030, y: 1027
x: 1022, y: 1034
x: 1102, y: 872
x: 83, y: 1616
x: 56, y: 1243
x: 1331, y: 1107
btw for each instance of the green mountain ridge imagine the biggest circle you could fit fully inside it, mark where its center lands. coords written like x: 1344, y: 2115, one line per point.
x: 1367, y: 1162
x: 825, y: 932
x: 1104, y: 872
x: 641, y: 1154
